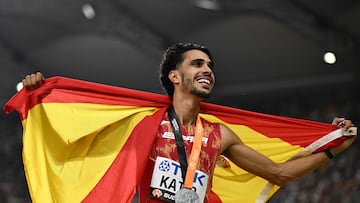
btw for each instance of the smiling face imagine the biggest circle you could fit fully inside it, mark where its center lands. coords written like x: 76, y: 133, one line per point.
x: 195, y: 74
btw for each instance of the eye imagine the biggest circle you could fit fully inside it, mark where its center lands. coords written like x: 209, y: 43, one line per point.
x: 198, y: 63
x: 211, y: 65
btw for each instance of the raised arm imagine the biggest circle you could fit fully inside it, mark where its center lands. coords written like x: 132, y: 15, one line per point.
x: 33, y: 81
x: 276, y: 173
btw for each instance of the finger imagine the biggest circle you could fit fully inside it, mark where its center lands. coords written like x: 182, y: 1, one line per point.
x: 26, y: 81
x: 42, y: 76
x: 347, y: 124
x: 342, y: 123
x: 33, y: 81
x: 39, y: 78
x: 337, y: 120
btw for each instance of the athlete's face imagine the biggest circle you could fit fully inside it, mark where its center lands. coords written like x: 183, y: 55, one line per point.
x: 196, y: 73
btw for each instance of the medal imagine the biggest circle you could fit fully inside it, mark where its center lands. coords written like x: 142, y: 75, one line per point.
x: 185, y: 195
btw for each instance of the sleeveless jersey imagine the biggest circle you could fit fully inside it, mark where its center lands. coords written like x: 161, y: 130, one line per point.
x: 165, y: 146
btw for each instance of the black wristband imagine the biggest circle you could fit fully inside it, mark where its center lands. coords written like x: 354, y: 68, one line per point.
x: 329, y: 154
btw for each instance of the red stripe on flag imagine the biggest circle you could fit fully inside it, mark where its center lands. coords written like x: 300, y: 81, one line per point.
x: 285, y: 128
x: 214, y: 198
x: 66, y: 90
x: 120, y: 181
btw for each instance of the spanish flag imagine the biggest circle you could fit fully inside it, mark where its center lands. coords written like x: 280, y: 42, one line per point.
x: 89, y: 142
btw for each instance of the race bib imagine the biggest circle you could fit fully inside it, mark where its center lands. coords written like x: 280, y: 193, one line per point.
x: 166, y: 180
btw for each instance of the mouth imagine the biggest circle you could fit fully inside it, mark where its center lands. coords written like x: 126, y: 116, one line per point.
x: 204, y: 81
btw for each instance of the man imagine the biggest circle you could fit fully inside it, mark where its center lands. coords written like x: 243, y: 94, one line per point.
x: 187, y: 77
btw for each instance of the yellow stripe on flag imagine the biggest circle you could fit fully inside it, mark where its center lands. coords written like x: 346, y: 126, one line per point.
x: 234, y: 185
x: 74, y: 131
x: 92, y: 142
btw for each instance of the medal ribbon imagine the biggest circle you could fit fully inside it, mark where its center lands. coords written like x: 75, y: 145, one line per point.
x: 194, y: 155
x: 190, y: 167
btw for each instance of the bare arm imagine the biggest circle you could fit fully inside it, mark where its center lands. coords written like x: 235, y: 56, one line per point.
x: 277, y: 173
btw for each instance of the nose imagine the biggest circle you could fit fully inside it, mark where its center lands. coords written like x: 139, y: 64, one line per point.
x: 208, y: 72
x: 207, y: 69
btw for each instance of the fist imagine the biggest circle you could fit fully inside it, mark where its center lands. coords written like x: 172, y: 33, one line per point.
x: 33, y: 81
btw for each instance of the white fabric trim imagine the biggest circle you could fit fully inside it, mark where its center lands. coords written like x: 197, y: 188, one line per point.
x: 308, y: 150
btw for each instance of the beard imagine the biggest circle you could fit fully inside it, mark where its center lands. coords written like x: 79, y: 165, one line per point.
x: 194, y: 90
x: 200, y: 93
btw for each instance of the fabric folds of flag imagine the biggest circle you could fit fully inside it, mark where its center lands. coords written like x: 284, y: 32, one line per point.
x: 89, y: 142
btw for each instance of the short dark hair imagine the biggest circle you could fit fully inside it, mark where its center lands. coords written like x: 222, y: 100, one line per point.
x: 173, y: 56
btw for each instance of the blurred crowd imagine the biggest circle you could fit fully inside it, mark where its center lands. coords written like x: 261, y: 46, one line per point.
x: 336, y: 182
x: 13, y: 187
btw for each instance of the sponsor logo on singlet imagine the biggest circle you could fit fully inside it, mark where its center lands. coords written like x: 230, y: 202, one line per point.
x: 170, y: 135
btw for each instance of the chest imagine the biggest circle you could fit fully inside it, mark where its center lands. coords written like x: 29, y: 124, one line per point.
x: 165, y: 144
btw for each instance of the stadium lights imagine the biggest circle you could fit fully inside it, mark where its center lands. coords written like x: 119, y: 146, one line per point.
x: 88, y: 11
x: 207, y: 4
x: 19, y: 86
x: 329, y: 57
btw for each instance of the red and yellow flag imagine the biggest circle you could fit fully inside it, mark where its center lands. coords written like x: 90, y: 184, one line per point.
x: 89, y: 142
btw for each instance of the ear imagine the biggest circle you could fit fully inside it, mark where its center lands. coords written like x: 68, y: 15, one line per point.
x: 174, y: 76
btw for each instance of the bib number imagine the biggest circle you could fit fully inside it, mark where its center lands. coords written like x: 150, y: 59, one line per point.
x: 167, y: 180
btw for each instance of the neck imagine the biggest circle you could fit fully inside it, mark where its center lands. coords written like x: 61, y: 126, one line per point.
x: 186, y: 108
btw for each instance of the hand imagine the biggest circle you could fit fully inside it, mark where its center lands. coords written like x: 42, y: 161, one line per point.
x: 342, y: 122
x: 33, y: 81
x: 345, y: 124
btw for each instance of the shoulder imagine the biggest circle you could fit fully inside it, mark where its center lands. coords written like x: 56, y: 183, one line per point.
x: 224, y: 129
x: 213, y: 125
x: 229, y: 138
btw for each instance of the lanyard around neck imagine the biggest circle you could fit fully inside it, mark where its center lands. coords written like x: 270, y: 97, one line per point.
x: 187, y: 169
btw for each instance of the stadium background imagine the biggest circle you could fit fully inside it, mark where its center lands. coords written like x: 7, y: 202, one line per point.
x: 269, y: 58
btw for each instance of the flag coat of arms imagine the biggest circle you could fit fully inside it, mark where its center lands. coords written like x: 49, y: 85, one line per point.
x: 90, y: 142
